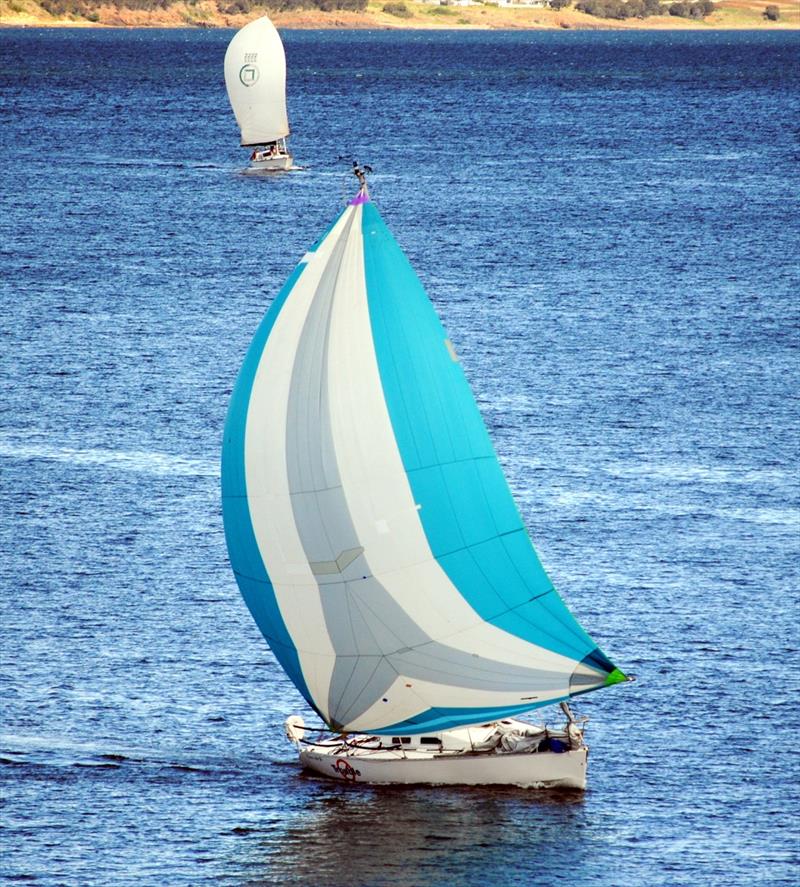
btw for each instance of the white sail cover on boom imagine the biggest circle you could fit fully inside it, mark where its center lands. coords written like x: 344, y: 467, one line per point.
x: 255, y: 77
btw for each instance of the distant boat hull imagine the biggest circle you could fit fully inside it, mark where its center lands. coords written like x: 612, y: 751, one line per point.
x: 373, y: 760
x: 270, y: 164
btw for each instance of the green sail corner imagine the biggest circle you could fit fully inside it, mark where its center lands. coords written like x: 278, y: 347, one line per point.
x: 616, y: 677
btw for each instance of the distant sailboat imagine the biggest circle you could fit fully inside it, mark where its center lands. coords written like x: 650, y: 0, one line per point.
x: 255, y: 77
x: 377, y: 544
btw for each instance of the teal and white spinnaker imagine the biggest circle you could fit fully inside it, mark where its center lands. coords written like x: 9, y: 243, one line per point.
x: 370, y: 528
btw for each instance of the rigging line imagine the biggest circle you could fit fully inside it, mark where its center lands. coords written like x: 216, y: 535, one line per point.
x: 322, y: 741
x: 315, y: 490
x: 489, y: 457
x: 311, y: 728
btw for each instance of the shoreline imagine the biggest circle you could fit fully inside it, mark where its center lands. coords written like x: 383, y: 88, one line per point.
x: 730, y: 15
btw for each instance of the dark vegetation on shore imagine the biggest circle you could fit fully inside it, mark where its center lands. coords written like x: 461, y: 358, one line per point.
x: 610, y: 9
x: 622, y: 9
x: 246, y: 6
x: 88, y: 8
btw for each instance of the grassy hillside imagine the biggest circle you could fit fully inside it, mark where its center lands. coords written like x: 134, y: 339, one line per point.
x: 733, y: 14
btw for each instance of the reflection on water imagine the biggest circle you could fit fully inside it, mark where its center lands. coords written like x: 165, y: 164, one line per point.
x: 403, y: 835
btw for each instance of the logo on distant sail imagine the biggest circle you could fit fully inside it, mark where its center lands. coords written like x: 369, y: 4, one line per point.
x: 249, y: 74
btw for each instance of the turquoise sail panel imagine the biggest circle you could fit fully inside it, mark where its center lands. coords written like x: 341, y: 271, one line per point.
x: 470, y: 519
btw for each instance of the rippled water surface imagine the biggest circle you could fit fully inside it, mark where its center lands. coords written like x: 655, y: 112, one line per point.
x: 607, y: 224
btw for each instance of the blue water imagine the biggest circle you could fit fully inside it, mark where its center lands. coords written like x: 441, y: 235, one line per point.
x: 608, y: 225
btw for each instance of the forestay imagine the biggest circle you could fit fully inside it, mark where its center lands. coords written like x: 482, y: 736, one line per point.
x: 370, y: 528
x: 255, y: 77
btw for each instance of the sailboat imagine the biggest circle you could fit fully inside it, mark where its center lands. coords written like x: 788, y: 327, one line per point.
x: 376, y: 542
x: 255, y: 77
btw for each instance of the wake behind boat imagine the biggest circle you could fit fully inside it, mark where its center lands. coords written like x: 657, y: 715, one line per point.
x: 255, y: 78
x: 376, y: 542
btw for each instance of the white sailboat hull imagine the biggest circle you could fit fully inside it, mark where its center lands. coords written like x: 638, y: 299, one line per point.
x: 270, y: 164
x: 538, y: 770
x: 507, y: 752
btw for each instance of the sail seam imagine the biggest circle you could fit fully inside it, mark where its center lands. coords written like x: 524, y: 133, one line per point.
x: 478, y: 542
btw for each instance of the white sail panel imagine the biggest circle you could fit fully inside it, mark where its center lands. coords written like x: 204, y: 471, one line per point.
x: 267, y: 482
x: 255, y: 77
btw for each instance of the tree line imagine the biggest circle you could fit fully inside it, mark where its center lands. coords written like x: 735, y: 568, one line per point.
x: 88, y: 8
x: 622, y: 9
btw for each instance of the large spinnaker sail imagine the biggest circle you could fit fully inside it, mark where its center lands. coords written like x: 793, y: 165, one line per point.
x: 255, y: 77
x: 369, y: 524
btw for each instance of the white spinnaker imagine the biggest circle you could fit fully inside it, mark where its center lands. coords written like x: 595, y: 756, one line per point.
x: 255, y: 77
x: 379, y: 500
